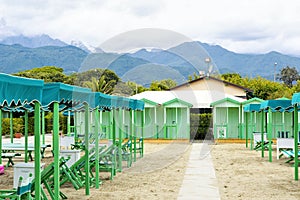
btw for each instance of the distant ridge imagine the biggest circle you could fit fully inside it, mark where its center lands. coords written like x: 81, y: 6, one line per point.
x: 18, y: 53
x: 33, y: 42
x: 15, y: 58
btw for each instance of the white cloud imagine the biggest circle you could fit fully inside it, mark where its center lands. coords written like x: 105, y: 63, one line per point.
x: 243, y: 26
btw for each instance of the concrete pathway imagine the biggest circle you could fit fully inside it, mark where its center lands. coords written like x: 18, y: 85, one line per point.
x: 200, y: 181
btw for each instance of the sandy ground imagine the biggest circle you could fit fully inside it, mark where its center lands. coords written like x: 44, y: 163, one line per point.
x: 241, y: 173
x: 158, y: 175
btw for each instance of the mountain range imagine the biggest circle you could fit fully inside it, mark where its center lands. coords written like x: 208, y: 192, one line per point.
x: 19, y: 52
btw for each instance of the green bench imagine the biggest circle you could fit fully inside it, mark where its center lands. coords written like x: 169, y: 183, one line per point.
x: 10, y: 157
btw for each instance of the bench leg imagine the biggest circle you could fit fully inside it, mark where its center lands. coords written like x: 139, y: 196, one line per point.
x: 10, y: 161
x: 43, y: 152
x: 30, y: 155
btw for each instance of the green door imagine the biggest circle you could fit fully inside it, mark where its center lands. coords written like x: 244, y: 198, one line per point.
x: 233, y: 123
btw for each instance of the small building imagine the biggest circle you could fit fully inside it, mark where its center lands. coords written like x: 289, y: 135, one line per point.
x: 207, y: 89
x: 165, y: 115
x: 227, y: 117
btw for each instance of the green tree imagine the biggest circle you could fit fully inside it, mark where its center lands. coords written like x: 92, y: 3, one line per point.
x: 196, y: 76
x: 165, y: 84
x: 288, y: 75
x: 262, y: 88
x: 136, y: 88
x: 46, y: 73
x: 169, y: 83
x: 82, y: 77
x: 122, y: 89
x: 232, y: 78
x: 266, y: 89
x: 100, y: 85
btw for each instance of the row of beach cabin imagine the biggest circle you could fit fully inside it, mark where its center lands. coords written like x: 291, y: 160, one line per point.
x: 231, y: 116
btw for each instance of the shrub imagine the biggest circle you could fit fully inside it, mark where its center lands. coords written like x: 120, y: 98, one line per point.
x: 18, y: 125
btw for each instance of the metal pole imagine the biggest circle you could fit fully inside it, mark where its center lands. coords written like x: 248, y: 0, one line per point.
x: 56, y: 148
x: 37, y: 146
x: 142, y: 136
x: 262, y: 134
x: 246, y: 124
x: 43, y: 127
x: 86, y: 141
x: 296, y: 160
x: 69, y: 123
x: 26, y: 135
x: 251, y: 132
x: 120, y: 120
x: 97, y: 148
x: 11, y: 127
x: 134, y: 135
x: 269, y: 130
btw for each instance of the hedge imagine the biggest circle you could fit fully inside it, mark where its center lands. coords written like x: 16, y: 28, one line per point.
x: 18, y: 124
x: 200, y: 124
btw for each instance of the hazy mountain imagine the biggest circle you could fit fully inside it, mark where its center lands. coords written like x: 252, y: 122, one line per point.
x: 120, y: 63
x: 32, y: 42
x: 190, y: 57
x: 177, y: 63
x: 15, y: 58
x: 250, y: 65
x: 146, y: 73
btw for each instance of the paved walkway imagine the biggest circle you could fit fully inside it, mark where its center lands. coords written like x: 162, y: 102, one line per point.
x: 200, y: 181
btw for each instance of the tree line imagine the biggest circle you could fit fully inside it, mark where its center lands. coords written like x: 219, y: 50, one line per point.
x: 287, y: 83
x: 98, y: 80
x: 107, y: 81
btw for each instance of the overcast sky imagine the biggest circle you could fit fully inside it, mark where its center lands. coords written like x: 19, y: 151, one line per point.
x: 248, y: 26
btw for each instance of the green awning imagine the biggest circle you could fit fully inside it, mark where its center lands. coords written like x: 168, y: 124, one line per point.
x: 104, y: 100
x: 67, y: 95
x: 252, y: 108
x: 139, y: 105
x: 18, y: 91
x: 276, y: 105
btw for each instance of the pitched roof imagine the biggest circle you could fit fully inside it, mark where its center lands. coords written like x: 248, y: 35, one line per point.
x: 213, y: 78
x: 235, y: 100
x: 255, y: 99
